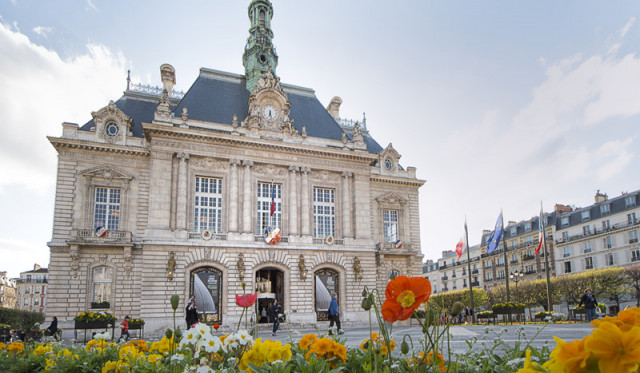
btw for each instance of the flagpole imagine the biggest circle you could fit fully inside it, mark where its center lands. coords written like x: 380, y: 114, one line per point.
x: 506, y: 262
x: 466, y: 232
x: 546, y: 264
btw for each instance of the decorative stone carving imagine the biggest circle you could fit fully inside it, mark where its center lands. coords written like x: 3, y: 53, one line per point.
x: 325, y: 176
x: 357, y: 269
x: 111, y: 114
x: 357, y: 138
x: 208, y: 163
x: 388, y: 159
x: 171, y: 266
x: 168, y: 76
x: 269, y: 107
x: 185, y: 115
x: 75, y: 260
x: 269, y: 170
x: 302, y: 268
x: 103, y: 257
x: 240, y: 266
x: 207, y: 252
x: 391, y: 197
x: 234, y: 122
x: 128, y: 265
x: 163, y: 111
x: 304, y: 131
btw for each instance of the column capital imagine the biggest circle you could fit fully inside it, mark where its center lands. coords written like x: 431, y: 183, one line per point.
x: 305, y: 170
x: 247, y: 163
x: 234, y: 162
x: 347, y: 174
x: 294, y: 169
x: 182, y: 156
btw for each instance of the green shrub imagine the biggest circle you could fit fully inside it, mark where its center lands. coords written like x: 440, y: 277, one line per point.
x: 20, y: 320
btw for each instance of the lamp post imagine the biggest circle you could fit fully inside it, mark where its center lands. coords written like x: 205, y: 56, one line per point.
x: 516, y: 276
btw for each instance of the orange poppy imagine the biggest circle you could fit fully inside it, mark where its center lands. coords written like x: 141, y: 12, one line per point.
x: 404, y: 295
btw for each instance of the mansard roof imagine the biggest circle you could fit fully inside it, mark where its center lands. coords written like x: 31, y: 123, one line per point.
x: 217, y: 96
x: 616, y: 205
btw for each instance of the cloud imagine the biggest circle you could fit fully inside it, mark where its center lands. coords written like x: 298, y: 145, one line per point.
x: 621, y: 34
x: 40, y: 91
x: 91, y: 5
x: 21, y: 255
x: 42, y: 30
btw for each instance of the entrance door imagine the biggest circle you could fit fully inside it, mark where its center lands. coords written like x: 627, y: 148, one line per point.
x: 206, y: 285
x: 327, y: 285
x: 269, y: 286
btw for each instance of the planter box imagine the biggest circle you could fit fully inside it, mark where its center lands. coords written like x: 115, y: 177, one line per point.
x: 93, y: 324
x: 136, y: 327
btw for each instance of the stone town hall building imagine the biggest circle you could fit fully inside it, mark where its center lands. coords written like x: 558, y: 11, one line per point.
x: 163, y: 194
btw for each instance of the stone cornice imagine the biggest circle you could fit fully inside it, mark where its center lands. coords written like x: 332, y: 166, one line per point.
x: 61, y: 143
x: 397, y: 180
x: 222, y: 138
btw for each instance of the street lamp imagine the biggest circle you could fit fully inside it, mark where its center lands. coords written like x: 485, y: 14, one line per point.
x: 516, y: 276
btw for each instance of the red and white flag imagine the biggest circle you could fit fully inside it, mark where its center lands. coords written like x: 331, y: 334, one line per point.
x: 460, y: 247
x: 540, y: 232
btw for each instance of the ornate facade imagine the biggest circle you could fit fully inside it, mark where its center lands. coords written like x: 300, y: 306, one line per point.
x: 243, y: 181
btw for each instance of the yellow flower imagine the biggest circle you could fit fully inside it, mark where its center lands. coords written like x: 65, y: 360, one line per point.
x: 307, y: 340
x: 616, y: 351
x: 569, y: 356
x: 154, y: 358
x: 529, y: 366
x: 2, y: 346
x: 15, y: 347
x: 41, y: 350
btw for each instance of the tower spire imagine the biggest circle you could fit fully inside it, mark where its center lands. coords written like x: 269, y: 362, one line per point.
x: 259, y: 53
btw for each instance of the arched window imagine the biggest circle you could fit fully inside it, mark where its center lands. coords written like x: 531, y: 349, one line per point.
x: 101, y: 284
x: 327, y: 285
x: 261, y: 18
x: 206, y: 286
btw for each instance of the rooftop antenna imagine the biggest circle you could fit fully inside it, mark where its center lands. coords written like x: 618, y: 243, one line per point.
x: 128, y: 79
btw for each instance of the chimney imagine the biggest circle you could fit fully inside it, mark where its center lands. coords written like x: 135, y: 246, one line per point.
x: 334, y: 108
x: 36, y: 267
x: 600, y: 197
x: 562, y: 209
x: 3, y: 274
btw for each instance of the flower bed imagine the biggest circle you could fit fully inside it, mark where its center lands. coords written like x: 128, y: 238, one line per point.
x: 94, y: 317
x: 507, y: 307
x: 486, y: 315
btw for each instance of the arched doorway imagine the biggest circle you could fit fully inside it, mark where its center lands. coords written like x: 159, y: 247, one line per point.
x: 206, y: 286
x: 327, y: 284
x: 269, y: 286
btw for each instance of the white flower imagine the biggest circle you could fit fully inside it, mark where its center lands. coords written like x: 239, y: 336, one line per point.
x: 203, y: 329
x: 177, y: 357
x: 191, y: 337
x: 211, y: 344
x: 204, y: 369
x: 244, y: 337
x: 231, y: 342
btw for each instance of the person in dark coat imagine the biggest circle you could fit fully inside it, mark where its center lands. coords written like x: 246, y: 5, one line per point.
x: 590, y: 303
x: 334, y: 315
x: 275, y: 312
x: 52, y: 330
x: 191, y: 314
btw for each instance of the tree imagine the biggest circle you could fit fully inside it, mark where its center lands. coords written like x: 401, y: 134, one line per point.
x: 446, y: 300
x: 633, y: 278
x: 534, y: 293
x: 614, y: 283
x: 498, y: 294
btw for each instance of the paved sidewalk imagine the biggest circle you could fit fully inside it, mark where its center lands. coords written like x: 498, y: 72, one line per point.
x: 459, y: 334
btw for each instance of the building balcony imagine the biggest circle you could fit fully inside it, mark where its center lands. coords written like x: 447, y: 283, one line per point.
x: 445, y: 289
x: 529, y: 272
x: 528, y: 257
x: 454, y: 275
x: 598, y: 231
x: 389, y: 246
x: 444, y: 278
x: 475, y: 283
x: 514, y: 261
x: 475, y: 271
x: 500, y: 265
x: 90, y: 236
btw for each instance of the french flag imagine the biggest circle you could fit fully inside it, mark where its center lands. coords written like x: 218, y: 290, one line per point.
x: 273, y: 200
x: 540, y: 233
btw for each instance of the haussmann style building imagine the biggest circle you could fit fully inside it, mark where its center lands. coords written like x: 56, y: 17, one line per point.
x: 240, y: 180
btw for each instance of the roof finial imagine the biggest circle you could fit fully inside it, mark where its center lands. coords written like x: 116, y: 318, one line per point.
x: 364, y: 121
x: 128, y: 79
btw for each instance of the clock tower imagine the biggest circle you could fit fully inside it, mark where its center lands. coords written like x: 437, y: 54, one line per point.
x: 259, y: 54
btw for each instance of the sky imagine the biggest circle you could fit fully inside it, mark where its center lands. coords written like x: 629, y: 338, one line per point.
x: 498, y: 104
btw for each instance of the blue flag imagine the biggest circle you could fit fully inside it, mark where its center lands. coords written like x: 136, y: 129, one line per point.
x: 494, y: 239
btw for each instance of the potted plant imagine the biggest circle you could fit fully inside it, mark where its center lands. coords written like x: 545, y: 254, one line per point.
x: 135, y: 324
x: 94, y: 320
x: 100, y: 305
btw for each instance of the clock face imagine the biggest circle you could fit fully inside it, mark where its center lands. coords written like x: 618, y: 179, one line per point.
x: 387, y: 164
x: 111, y: 129
x: 269, y: 112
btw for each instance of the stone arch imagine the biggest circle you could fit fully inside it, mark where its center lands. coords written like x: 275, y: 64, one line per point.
x: 224, y: 285
x: 322, y: 269
x: 89, y: 289
x: 286, y: 271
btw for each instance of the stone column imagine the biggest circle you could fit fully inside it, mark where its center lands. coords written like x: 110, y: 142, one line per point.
x: 346, y: 207
x: 246, y: 198
x: 160, y: 194
x: 304, y: 201
x: 181, y: 212
x: 293, y: 198
x: 233, y: 196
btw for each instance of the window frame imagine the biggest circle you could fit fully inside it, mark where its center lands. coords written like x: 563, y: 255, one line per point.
x: 110, y: 214
x: 106, y: 284
x: 327, y: 219
x: 214, y: 214
x: 263, y: 207
x: 390, y: 224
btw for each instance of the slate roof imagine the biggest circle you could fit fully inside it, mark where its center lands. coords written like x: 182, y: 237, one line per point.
x: 616, y: 206
x: 216, y: 96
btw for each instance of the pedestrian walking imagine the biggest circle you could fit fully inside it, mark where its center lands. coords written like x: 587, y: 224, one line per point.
x: 469, y: 312
x: 275, y: 313
x: 334, y: 315
x: 52, y: 330
x: 191, y: 315
x: 124, y: 325
x: 590, y: 303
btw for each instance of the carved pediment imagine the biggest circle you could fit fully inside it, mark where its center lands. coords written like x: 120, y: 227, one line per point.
x: 112, y: 124
x: 388, y: 159
x: 106, y: 173
x: 269, y: 107
x: 391, y: 197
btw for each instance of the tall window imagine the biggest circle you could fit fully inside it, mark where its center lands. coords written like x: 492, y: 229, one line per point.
x: 528, y: 241
x: 265, y: 193
x: 633, y: 236
x: 606, y: 224
x: 500, y: 261
x: 500, y: 274
x: 527, y: 226
x: 586, y: 215
x: 631, y: 218
x: 587, y: 247
x: 635, y: 255
x: 102, y: 284
x: 390, y: 218
x: 323, y: 212
x: 605, y: 209
x: 107, y: 209
x: 586, y: 230
x: 588, y: 263
x: 208, y: 205
x: 564, y: 221
x: 567, y: 251
x: 567, y: 267
x: 565, y: 236
x: 609, y: 258
x: 630, y: 201
x: 606, y: 242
